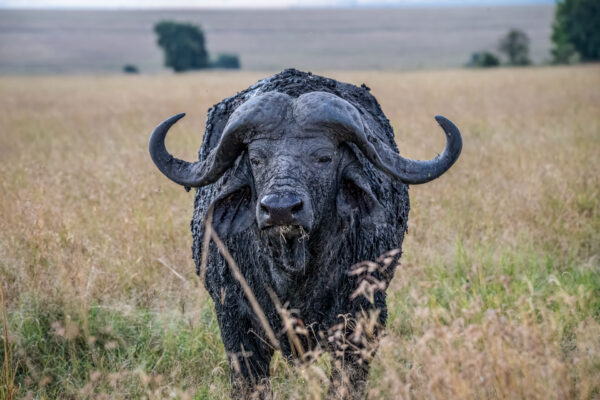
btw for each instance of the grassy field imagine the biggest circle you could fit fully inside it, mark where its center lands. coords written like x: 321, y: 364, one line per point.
x: 51, y: 42
x: 497, y: 295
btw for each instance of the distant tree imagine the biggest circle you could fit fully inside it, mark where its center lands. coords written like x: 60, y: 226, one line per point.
x: 229, y: 61
x: 130, y: 69
x: 576, y: 31
x: 483, y: 59
x: 515, y: 45
x: 183, y: 45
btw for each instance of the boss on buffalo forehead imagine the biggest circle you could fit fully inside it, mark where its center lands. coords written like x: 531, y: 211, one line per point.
x: 302, y: 180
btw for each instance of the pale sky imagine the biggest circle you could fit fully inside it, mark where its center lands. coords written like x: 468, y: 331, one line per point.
x: 245, y: 3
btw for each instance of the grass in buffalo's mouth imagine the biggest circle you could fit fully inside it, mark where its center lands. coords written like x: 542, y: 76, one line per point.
x: 287, y: 233
x: 498, y: 291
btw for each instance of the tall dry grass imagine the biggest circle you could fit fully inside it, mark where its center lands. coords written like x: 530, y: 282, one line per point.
x: 497, y: 295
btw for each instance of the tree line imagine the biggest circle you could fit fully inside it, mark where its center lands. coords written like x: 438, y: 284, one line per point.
x: 575, y: 38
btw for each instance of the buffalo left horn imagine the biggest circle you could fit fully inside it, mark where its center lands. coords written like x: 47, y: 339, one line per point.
x: 345, y: 122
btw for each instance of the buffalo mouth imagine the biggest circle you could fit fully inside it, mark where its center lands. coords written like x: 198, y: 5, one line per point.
x: 286, y: 232
x: 289, y: 246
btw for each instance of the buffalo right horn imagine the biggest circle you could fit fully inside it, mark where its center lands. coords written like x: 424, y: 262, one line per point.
x: 196, y: 174
x: 259, y: 113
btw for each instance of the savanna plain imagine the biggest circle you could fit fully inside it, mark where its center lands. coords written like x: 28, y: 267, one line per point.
x: 498, y: 291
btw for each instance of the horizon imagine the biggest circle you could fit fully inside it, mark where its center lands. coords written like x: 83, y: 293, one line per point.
x: 244, y: 4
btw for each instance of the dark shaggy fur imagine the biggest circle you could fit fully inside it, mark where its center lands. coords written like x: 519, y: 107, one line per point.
x: 321, y: 298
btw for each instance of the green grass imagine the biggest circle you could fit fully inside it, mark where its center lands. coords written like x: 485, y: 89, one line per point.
x: 76, y: 352
x: 79, y: 352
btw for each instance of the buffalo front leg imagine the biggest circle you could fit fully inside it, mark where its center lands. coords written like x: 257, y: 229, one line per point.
x: 249, y: 373
x: 248, y: 354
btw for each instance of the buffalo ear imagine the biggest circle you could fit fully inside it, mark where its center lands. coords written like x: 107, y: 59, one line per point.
x: 232, y: 211
x: 355, y: 198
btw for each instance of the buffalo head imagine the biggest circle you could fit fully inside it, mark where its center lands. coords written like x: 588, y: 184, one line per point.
x: 301, y: 169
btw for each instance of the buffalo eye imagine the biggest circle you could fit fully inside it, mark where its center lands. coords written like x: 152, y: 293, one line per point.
x: 324, y: 159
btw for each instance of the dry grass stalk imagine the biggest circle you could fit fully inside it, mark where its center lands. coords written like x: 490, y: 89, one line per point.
x: 8, y: 389
x: 237, y: 274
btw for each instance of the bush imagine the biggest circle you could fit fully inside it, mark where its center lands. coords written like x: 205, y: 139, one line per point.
x: 515, y: 45
x: 565, y: 53
x: 183, y: 45
x: 130, y: 69
x: 576, y: 31
x: 229, y: 61
x: 483, y: 59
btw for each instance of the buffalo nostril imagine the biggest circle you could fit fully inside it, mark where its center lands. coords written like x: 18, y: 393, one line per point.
x: 297, y: 207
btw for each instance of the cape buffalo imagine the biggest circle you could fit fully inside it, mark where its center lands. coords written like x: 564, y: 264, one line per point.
x: 302, y: 180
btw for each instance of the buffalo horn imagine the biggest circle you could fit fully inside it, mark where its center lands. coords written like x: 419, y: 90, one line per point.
x: 185, y: 173
x: 345, y: 121
x: 261, y: 112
